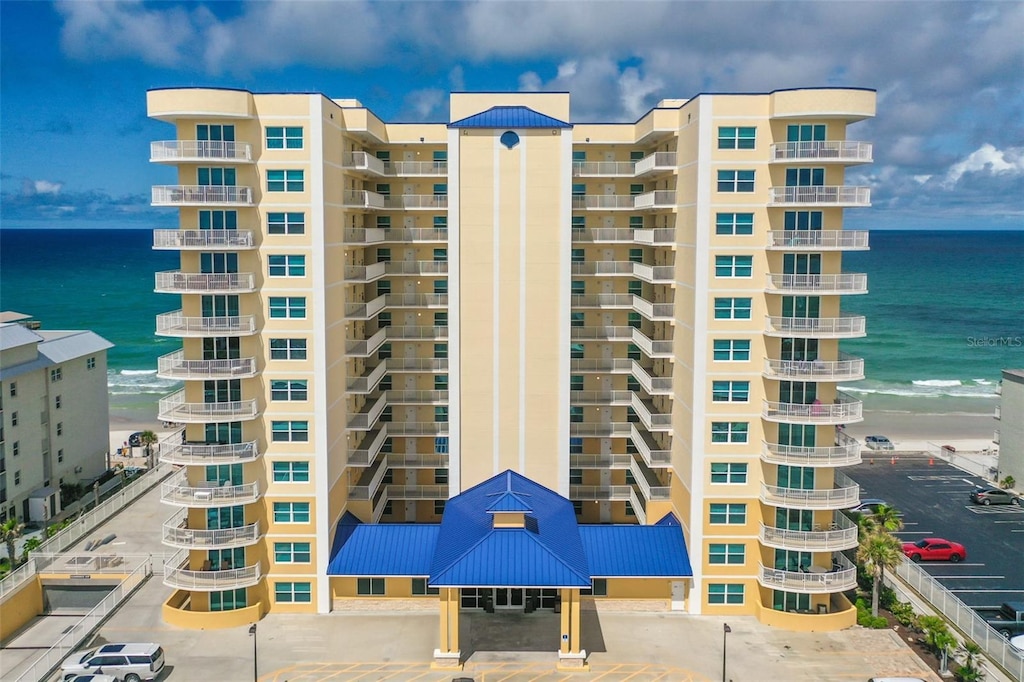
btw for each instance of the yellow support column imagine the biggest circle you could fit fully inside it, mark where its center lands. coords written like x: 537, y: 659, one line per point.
x: 447, y: 655
x: 571, y: 655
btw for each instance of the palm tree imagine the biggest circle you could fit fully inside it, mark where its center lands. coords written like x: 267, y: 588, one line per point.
x: 889, y: 518
x: 10, y: 531
x: 148, y: 440
x: 878, y: 551
x: 971, y: 670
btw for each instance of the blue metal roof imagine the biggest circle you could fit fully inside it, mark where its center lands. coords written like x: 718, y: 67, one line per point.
x: 548, y: 552
x: 510, y: 502
x: 509, y: 117
x: 384, y: 549
x: 628, y: 551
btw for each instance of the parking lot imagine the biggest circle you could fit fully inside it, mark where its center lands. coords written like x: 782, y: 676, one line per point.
x: 933, y: 497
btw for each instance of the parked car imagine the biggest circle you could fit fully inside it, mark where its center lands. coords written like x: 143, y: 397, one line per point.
x: 934, y: 549
x: 95, y: 678
x: 1017, y: 642
x: 878, y: 443
x: 869, y: 506
x: 987, y: 496
x: 129, y: 662
x: 1007, y: 620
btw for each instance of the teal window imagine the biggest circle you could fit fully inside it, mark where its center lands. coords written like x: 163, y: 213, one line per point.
x: 636, y: 222
x: 228, y: 600
x: 728, y: 472
x: 734, y: 223
x: 579, y: 189
x: 578, y: 255
x: 218, y: 220
x: 575, y: 446
x: 729, y: 432
x: 287, y: 349
x: 441, y: 319
x: 440, y: 222
x: 293, y: 307
x: 634, y: 320
x: 286, y: 223
x: 577, y: 319
x: 599, y: 586
x: 383, y: 189
x: 215, y: 133
x: 440, y: 255
x: 579, y: 222
x: 637, y: 154
x: 293, y: 593
x: 384, y: 156
x: 440, y: 382
x: 576, y: 382
x: 731, y: 350
x: 575, y: 413
x: 636, y: 189
x: 732, y: 308
x: 725, y: 593
x: 814, y: 132
x: 291, y: 472
x: 440, y: 414
x: 805, y: 177
x: 579, y: 287
x: 291, y: 512
x: 440, y: 189
x: 440, y: 477
x: 383, y: 222
x: 576, y: 351
x: 290, y: 431
x: 286, y: 266
x: 734, y: 266
x: 440, y: 351
x: 370, y: 587
x: 421, y: 589
x: 383, y: 287
x: 633, y: 352
x: 733, y: 137
x: 636, y: 255
x: 385, y: 351
x: 802, y: 220
x: 215, y: 177
x: 440, y: 286
x: 286, y: 180
x: 289, y: 389
x: 732, y: 514
x: 790, y: 601
x: 735, y: 181
x: 578, y: 156
x: 284, y: 137
x: 730, y: 391
x: 635, y: 287
x: 440, y: 155
x: 384, y: 320
x: 291, y: 552
x: 722, y: 553
x: 441, y: 445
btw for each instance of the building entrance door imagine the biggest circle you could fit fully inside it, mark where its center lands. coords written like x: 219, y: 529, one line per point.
x: 508, y: 598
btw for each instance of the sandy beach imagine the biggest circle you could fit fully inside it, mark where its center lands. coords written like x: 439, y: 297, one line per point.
x: 969, y: 432
x: 121, y: 427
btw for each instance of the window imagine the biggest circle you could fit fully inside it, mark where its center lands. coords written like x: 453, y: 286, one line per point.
x: 370, y: 587
x: 731, y: 350
x: 286, y: 223
x: 286, y: 266
x: 636, y: 189
x: 636, y: 255
x: 577, y: 319
x: 735, y: 181
x: 730, y: 391
x: 440, y: 477
x: 57, y: 402
x: 579, y: 156
x: 439, y: 507
x: 292, y: 552
x: 441, y: 445
x: 441, y: 414
x: 579, y: 222
x: 292, y: 512
x: 734, y: 266
x: 728, y: 472
x: 579, y: 189
x: 440, y: 189
x: 805, y: 177
x: 383, y: 188
x: 440, y: 382
x: 636, y: 222
x: 802, y: 220
x: 598, y: 588
x: 279, y: 137
x: 218, y: 220
x: 575, y: 446
x: 287, y: 349
x: 726, y: 554
x: 215, y: 177
x: 293, y: 593
x: 215, y: 133
x: 732, y: 308
x: 579, y: 287
x: 731, y: 137
x: 383, y: 287
x: 440, y: 155
x: 288, y: 307
x: 60, y: 428
x: 577, y: 508
x: 576, y: 351
x: 728, y: 514
x: 56, y: 375
x: 440, y: 222
x: 578, y: 255
x: 576, y: 382
x: 14, y: 418
x: 17, y: 477
x: 729, y: 432
x: 420, y: 588
x: 291, y: 472
x: 734, y: 223
x: 14, y: 389
x: 575, y: 476
x: 805, y: 133
x: 725, y: 593
x: 288, y: 180
x: 290, y: 432
x: 228, y: 600
x: 60, y: 455
x: 15, y: 448
x: 440, y: 286
x: 90, y: 363
x: 385, y: 351
x: 441, y: 319
x: 575, y: 413
x: 440, y: 351
x: 383, y: 222
x: 440, y: 255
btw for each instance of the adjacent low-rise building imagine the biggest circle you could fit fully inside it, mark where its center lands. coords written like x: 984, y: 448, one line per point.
x: 1009, y: 434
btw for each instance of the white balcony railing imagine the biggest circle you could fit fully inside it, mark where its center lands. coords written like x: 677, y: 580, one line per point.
x: 844, y: 151
x: 841, y: 283
x: 845, y: 410
x: 600, y: 492
x: 656, y: 199
x: 175, y: 534
x: 818, y: 240
x: 841, y: 195
x: 798, y: 498
x: 173, y: 408
x: 178, y: 282
x: 175, y: 366
x: 412, y: 169
x: 363, y: 161
x: 602, y: 169
x: 199, y: 150
x: 847, y: 326
x: 845, y: 453
x: 178, y: 491
x: 203, y: 239
x: 174, y: 451
x: 198, y: 195
x: 839, y: 577
x: 212, y: 581
x: 363, y: 199
x: 838, y: 535
x: 607, y: 202
x: 406, y: 202
x: 658, y: 161
x: 846, y: 368
x: 176, y: 324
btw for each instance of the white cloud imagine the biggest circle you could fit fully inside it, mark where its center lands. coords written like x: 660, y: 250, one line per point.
x: 46, y: 187
x: 425, y: 102
x: 987, y: 159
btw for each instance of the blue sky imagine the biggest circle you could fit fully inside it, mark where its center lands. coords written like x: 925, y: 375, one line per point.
x: 949, y: 135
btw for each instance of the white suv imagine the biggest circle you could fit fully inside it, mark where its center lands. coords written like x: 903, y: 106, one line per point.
x: 128, y: 662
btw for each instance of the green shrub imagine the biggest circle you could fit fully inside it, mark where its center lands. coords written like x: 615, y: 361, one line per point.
x: 887, y: 597
x: 904, y: 614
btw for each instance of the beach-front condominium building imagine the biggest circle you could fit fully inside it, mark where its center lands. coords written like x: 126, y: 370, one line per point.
x: 643, y: 318
x: 1009, y: 433
x: 54, y: 415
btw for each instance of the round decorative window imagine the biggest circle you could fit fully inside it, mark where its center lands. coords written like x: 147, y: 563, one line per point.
x: 509, y: 139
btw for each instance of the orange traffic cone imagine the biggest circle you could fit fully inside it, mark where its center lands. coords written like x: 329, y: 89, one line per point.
x: 893, y: 460
x: 931, y: 461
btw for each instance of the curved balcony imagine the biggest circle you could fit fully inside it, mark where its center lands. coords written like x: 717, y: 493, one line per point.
x: 173, y: 451
x: 201, y: 195
x: 842, y: 195
x: 818, y: 240
x: 845, y: 453
x: 173, y: 408
x: 175, y: 534
x: 176, y: 366
x: 205, y: 240
x: 178, y: 491
x: 844, y: 327
x: 176, y: 324
x: 212, y: 581
x: 841, y: 283
x: 838, y: 151
x: 797, y: 498
x: 840, y: 577
x: 178, y: 282
x: 846, y: 368
x: 840, y: 534
x: 844, y: 411
x: 174, y: 151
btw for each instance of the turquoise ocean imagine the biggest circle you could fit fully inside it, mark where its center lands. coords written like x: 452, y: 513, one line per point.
x: 945, y: 310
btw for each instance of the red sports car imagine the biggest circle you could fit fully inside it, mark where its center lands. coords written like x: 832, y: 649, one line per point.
x: 934, y: 549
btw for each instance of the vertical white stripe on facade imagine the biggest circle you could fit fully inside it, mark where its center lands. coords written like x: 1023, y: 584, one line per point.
x: 496, y: 284
x: 523, y: 317
x: 322, y: 479
x: 702, y: 240
x: 454, y: 321
x: 564, y: 246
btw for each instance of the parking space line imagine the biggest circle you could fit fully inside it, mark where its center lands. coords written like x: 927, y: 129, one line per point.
x: 981, y: 591
x: 950, y: 563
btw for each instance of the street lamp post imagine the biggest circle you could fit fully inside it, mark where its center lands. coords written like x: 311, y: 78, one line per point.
x: 252, y: 632
x: 725, y: 637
